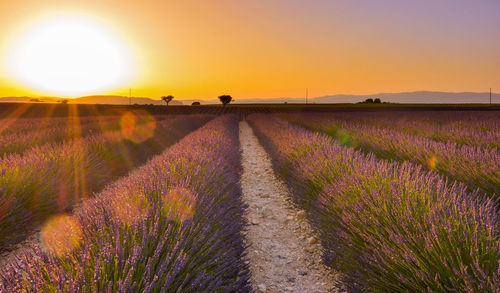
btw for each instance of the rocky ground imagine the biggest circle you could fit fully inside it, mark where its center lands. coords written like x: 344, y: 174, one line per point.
x: 283, y: 254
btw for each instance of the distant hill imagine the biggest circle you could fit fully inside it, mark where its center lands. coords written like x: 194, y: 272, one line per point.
x: 248, y: 101
x: 112, y: 100
x: 119, y: 100
x: 28, y: 99
x: 15, y: 99
x: 419, y: 97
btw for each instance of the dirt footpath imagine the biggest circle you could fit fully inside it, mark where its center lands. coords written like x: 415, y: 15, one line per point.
x: 283, y: 254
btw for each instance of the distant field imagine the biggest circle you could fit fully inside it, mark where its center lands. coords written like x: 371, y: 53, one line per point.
x: 17, y: 110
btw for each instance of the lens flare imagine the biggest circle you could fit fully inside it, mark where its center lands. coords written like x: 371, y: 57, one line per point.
x: 63, y: 197
x: 345, y: 138
x: 137, y: 126
x: 61, y: 234
x: 5, y: 205
x: 432, y: 162
x: 179, y: 204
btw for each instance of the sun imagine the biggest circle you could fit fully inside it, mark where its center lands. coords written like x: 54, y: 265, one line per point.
x: 70, y: 55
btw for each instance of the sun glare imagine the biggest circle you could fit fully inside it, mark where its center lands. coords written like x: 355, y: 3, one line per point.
x: 70, y: 55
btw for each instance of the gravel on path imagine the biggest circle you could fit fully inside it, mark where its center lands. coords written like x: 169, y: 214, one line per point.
x: 283, y: 254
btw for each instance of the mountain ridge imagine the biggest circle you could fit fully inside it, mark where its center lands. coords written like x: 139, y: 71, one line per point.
x: 424, y: 97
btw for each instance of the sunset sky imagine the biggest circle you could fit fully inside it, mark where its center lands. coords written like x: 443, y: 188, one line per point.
x: 256, y: 49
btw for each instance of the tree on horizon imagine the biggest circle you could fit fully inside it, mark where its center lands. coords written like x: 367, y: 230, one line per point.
x: 167, y: 99
x: 225, y: 99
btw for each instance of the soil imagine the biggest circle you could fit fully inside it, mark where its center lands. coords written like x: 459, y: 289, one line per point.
x: 283, y: 253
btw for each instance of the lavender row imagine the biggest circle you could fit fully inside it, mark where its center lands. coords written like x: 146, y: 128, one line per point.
x: 475, y: 166
x: 15, y: 125
x: 18, y: 142
x: 173, y: 225
x: 68, y: 128
x: 480, y: 129
x: 52, y: 178
x: 386, y: 226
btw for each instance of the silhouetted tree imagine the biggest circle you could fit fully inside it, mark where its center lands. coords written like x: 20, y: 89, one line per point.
x: 63, y: 101
x: 195, y: 104
x: 225, y: 99
x: 369, y: 101
x: 167, y: 99
x: 377, y: 101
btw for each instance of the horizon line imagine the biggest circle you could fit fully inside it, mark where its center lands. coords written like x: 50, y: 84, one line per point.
x: 215, y: 98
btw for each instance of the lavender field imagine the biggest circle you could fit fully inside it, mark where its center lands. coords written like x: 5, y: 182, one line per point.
x: 391, y: 201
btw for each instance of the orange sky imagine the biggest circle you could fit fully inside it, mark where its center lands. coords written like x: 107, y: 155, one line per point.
x: 277, y: 48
